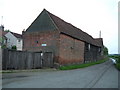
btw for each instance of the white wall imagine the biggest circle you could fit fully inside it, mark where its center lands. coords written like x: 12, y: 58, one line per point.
x: 19, y: 44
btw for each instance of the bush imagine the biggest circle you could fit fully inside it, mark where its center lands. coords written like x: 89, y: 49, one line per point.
x: 14, y: 47
x: 3, y: 46
x: 118, y: 63
x: 105, y: 51
x: 118, y: 66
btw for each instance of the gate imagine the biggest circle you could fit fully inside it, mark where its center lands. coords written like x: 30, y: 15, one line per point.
x: 47, y: 59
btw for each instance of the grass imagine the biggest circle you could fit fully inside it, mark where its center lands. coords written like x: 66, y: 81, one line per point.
x: 70, y: 67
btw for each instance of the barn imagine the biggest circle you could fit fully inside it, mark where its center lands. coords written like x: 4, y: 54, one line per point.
x: 69, y: 44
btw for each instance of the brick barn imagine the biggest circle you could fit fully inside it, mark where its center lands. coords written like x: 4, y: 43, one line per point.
x: 70, y: 45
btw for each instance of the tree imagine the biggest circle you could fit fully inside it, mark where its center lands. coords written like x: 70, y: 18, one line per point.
x: 105, y: 50
x: 7, y: 30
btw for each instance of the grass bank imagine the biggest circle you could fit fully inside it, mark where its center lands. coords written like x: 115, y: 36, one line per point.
x: 70, y: 67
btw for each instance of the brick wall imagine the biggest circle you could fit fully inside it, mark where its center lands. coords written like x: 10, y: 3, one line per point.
x: 66, y: 49
x: 71, y: 50
x: 33, y: 42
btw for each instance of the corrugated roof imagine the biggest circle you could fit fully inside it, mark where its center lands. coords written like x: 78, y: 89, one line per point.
x: 48, y: 21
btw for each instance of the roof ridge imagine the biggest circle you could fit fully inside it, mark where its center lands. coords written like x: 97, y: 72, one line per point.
x: 16, y: 33
x: 51, y: 18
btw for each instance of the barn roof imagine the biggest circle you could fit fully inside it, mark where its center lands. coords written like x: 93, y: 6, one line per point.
x: 48, y: 21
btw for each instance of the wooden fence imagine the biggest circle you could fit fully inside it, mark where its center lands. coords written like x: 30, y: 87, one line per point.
x: 12, y: 59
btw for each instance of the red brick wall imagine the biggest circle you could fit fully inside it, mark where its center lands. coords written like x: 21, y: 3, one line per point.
x: 66, y: 49
x: 51, y: 39
x: 71, y: 50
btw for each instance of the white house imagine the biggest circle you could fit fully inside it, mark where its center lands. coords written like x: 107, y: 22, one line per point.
x: 14, y: 39
x: 3, y: 38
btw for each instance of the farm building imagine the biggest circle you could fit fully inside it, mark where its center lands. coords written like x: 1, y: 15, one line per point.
x: 69, y: 45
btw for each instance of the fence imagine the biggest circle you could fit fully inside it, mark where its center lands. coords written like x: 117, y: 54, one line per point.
x: 12, y: 59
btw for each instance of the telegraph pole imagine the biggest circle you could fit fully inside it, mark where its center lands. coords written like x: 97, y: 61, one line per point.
x: 1, y: 20
x: 100, y: 34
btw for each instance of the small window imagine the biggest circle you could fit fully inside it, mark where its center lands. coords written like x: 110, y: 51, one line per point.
x: 44, y: 45
x: 36, y: 42
x: 18, y: 40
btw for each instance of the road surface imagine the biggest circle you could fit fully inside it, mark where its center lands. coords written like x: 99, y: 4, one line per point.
x: 103, y: 75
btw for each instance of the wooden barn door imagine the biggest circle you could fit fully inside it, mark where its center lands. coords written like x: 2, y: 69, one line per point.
x: 47, y: 59
x: 37, y: 60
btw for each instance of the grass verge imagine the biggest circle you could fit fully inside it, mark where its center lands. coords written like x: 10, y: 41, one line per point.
x: 70, y: 67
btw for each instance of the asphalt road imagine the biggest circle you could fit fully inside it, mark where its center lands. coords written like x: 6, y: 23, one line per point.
x: 103, y: 75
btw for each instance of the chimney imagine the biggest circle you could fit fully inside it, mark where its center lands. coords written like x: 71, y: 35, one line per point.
x: 2, y: 27
x: 23, y: 31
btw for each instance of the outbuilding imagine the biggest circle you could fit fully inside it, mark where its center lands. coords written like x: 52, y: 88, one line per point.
x: 69, y: 44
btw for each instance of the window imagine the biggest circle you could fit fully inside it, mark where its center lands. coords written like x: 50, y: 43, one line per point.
x: 89, y: 47
x: 18, y: 40
x: 99, y: 49
x: 44, y: 45
x: 36, y: 42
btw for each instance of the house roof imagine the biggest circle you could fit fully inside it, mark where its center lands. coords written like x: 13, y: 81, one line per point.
x: 16, y: 35
x: 48, y: 21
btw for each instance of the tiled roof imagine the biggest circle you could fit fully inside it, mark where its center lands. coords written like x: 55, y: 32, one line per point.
x: 16, y: 35
x: 48, y: 21
x: 75, y: 32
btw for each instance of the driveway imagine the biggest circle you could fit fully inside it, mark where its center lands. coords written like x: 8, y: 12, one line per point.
x: 103, y: 75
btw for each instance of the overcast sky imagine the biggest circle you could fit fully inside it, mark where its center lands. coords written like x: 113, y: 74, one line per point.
x: 89, y: 15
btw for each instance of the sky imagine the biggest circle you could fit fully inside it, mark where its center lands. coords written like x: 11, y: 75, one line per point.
x: 92, y: 16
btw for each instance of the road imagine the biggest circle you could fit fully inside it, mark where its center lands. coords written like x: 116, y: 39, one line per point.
x: 103, y: 75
